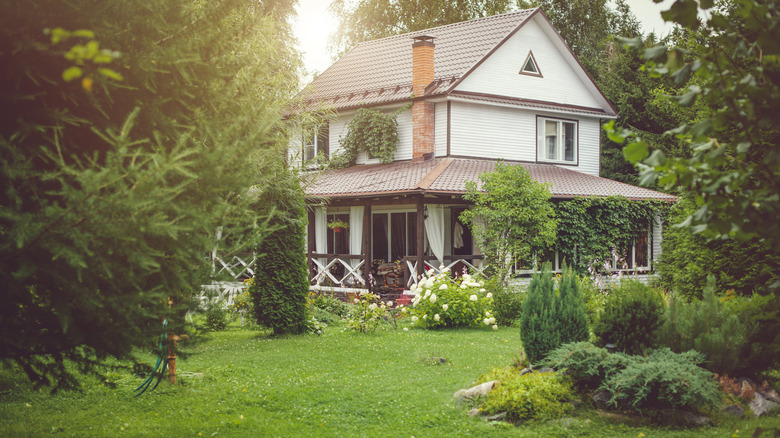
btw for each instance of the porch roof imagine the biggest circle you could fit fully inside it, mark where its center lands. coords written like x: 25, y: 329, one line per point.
x: 449, y: 176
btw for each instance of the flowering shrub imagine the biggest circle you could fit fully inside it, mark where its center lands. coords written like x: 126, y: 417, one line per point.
x: 367, y: 313
x: 443, y: 301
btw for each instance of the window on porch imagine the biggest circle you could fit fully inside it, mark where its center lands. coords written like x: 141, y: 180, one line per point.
x: 394, y: 235
x: 338, y: 241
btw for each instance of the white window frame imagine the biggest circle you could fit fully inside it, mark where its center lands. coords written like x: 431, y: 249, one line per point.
x: 542, y: 145
x: 310, y: 141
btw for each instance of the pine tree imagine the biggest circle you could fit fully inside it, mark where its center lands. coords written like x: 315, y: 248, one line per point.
x: 129, y: 132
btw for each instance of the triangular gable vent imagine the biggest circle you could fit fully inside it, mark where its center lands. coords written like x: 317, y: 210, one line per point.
x: 530, y: 67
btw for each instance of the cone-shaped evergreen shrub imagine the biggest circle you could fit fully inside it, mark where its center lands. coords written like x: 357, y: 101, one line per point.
x: 538, y: 322
x: 281, y: 285
x: 552, y: 317
x: 573, y: 323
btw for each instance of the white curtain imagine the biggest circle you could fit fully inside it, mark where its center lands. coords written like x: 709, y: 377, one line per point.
x: 434, y: 231
x: 321, y: 232
x: 355, y: 233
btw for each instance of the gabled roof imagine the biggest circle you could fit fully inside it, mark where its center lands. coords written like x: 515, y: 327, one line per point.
x: 380, y: 71
x: 449, y: 176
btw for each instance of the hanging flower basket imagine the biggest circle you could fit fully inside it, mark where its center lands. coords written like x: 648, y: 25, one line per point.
x: 338, y: 225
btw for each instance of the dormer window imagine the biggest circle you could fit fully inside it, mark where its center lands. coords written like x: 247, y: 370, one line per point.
x: 557, y: 140
x: 315, y: 141
x: 530, y: 67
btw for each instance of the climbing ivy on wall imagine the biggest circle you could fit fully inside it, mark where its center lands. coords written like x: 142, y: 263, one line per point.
x: 590, y: 228
x: 369, y: 131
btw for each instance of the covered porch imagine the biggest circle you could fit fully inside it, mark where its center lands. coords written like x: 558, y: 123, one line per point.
x: 399, y: 220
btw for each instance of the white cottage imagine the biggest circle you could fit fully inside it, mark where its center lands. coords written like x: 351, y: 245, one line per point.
x: 504, y: 87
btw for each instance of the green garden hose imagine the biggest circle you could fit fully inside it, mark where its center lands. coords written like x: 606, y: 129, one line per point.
x: 161, y: 359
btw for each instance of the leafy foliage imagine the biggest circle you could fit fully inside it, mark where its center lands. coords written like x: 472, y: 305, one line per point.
x: 507, y: 301
x: 280, y: 286
x: 442, y: 301
x: 114, y: 185
x: 631, y: 317
x: 552, y: 317
x: 688, y: 259
x: 734, y: 162
x: 590, y: 229
x: 511, y: 217
x: 367, y: 313
x: 372, y: 132
x: 527, y: 397
x: 594, y: 298
x: 707, y: 326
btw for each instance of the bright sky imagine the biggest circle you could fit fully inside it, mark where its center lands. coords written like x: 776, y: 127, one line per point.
x: 315, y: 25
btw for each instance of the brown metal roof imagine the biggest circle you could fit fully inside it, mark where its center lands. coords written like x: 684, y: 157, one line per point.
x: 449, y: 175
x: 380, y: 71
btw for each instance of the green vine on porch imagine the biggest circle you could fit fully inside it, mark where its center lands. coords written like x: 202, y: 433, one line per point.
x: 589, y: 229
x: 370, y: 131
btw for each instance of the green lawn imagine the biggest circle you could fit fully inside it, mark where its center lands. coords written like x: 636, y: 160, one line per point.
x: 245, y: 383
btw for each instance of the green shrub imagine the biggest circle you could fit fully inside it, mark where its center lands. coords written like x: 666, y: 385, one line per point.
x: 507, y: 301
x: 688, y: 259
x: 331, y: 305
x: 552, y: 317
x: 663, y: 379
x: 587, y: 364
x: 216, y: 317
x: 325, y: 316
x: 532, y: 396
x: 761, y: 316
x: 707, y: 326
x: 442, y: 301
x: 280, y: 287
x: 537, y: 323
x: 572, y: 322
x: 594, y: 297
x: 366, y: 314
x: 631, y: 317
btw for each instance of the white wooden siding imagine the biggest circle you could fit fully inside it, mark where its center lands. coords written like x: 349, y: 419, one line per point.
x: 488, y: 131
x: 589, y: 150
x: 440, y: 129
x: 499, y: 74
x: 492, y: 132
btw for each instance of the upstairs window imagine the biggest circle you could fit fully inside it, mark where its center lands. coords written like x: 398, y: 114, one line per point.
x: 557, y: 140
x: 530, y: 67
x: 315, y: 142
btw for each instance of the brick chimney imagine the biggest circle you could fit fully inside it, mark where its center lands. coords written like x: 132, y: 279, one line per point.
x: 422, y: 110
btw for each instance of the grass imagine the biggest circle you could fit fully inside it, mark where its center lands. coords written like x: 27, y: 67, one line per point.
x: 246, y: 383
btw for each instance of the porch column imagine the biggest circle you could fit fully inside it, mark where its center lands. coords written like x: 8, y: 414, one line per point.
x: 420, y: 237
x: 310, y: 241
x: 367, y: 244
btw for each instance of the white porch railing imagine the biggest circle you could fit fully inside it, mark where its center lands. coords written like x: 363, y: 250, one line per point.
x: 474, y: 268
x: 328, y: 272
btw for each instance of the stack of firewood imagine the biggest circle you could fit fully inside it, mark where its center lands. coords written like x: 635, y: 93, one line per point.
x: 393, y: 273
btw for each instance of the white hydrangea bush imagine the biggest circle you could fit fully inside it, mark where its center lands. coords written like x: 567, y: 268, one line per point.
x: 443, y: 301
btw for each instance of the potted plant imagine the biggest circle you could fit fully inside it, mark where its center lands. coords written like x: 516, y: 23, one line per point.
x: 338, y: 225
